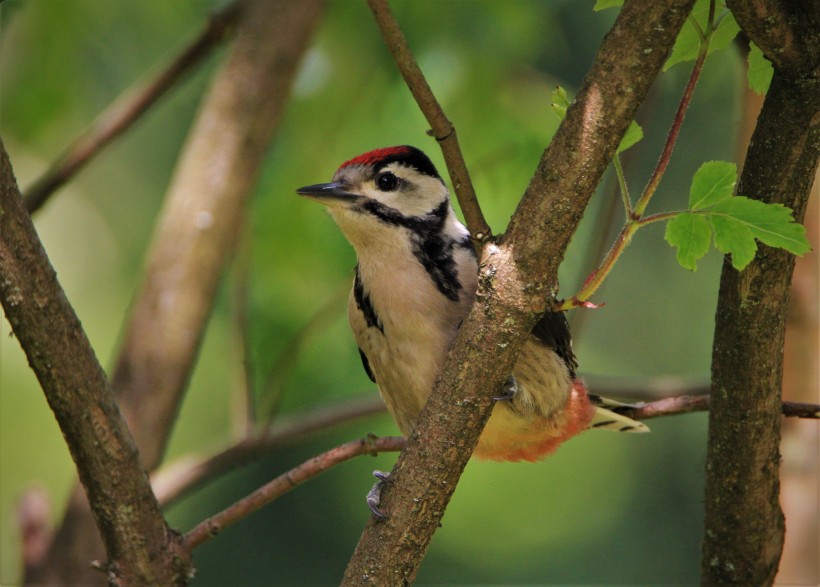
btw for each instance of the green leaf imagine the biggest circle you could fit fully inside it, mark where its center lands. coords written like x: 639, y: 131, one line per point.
x: 688, y: 42
x: 687, y: 45
x: 691, y: 234
x: 633, y: 134
x: 735, y: 238
x: 604, y: 4
x: 712, y: 183
x: 560, y: 102
x: 725, y: 32
x: 685, y: 48
x: 760, y: 70
x: 735, y: 221
x: 771, y: 224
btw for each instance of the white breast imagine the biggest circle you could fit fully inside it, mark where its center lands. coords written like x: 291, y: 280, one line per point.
x: 418, y: 323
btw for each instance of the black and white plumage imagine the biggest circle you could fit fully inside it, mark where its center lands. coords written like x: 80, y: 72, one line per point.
x: 415, y: 282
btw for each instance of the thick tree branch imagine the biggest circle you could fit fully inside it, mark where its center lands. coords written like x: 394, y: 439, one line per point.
x: 516, y: 277
x: 744, y: 526
x: 129, y: 108
x: 141, y: 548
x: 442, y: 129
x: 194, y: 238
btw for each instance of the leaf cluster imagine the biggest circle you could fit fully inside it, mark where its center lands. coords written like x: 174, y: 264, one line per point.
x: 734, y: 222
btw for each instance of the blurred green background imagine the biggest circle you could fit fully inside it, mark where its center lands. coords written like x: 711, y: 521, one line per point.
x: 605, y: 509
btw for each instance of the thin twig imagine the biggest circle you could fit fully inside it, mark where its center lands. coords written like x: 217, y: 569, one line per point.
x: 176, y: 480
x: 287, y: 481
x: 441, y: 128
x: 624, y: 189
x: 129, y: 107
x: 283, y: 483
x: 677, y: 122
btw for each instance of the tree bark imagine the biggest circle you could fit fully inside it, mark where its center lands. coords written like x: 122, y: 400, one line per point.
x: 192, y: 244
x: 744, y: 527
x: 141, y: 548
x: 517, y: 275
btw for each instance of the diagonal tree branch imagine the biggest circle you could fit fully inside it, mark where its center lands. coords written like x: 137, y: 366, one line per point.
x: 516, y: 277
x: 441, y: 128
x: 141, y: 548
x: 287, y: 481
x: 129, y: 108
x: 193, y: 241
x: 744, y: 525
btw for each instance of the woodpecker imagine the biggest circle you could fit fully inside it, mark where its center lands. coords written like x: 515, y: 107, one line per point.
x: 414, y: 284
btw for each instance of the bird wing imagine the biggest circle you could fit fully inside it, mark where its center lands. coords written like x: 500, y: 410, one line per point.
x: 553, y: 330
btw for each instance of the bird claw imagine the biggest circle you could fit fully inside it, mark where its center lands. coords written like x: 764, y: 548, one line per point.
x: 374, y: 496
x: 510, y: 390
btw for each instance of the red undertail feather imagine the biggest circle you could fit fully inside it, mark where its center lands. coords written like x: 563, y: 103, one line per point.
x: 578, y: 413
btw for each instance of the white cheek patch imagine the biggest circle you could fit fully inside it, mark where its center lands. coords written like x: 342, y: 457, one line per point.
x: 414, y: 197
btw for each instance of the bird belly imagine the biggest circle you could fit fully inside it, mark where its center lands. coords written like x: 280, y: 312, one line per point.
x: 405, y: 358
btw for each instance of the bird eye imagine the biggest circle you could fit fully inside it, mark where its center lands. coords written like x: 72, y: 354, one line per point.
x: 387, y: 182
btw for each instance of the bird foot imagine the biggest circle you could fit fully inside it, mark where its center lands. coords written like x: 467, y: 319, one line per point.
x: 510, y: 390
x: 374, y: 496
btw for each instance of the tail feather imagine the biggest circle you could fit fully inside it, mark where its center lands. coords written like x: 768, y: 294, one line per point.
x: 608, y: 417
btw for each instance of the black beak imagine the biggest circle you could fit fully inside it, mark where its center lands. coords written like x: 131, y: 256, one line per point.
x: 328, y: 193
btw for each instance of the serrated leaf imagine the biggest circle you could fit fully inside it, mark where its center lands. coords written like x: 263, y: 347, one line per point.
x: 771, y: 224
x: 633, y: 134
x: 735, y: 238
x: 760, y: 70
x: 560, y: 102
x: 604, y: 4
x: 691, y: 234
x: 712, y: 183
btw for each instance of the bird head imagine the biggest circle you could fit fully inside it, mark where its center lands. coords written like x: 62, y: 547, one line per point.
x: 392, y: 186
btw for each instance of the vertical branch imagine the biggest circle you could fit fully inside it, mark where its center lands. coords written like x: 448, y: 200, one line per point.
x: 141, y: 548
x: 744, y: 526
